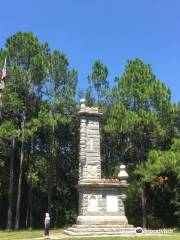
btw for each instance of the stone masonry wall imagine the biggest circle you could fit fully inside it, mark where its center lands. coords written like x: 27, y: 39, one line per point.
x: 100, y: 208
x: 89, y: 157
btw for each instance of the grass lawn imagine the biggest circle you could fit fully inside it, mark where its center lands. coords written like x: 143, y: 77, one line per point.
x: 177, y: 237
x: 174, y: 236
x: 8, y: 235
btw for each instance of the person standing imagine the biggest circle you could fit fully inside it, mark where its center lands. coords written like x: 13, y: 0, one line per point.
x: 46, y: 225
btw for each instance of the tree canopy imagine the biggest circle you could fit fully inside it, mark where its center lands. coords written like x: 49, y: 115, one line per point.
x: 39, y: 136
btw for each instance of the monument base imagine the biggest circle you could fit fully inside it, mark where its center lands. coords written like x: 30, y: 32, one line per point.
x: 102, y: 220
x: 101, y: 209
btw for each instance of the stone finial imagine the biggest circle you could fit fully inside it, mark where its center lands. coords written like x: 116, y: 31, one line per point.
x: 83, y: 103
x: 123, y: 176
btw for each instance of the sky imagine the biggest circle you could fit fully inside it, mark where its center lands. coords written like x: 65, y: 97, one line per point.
x: 112, y: 31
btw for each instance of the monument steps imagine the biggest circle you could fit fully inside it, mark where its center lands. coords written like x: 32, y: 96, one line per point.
x: 87, y: 230
x: 100, y: 229
x: 100, y: 232
x: 102, y: 226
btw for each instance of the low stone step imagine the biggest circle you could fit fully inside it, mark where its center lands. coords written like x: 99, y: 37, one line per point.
x: 87, y: 233
x: 100, y: 229
x: 102, y: 226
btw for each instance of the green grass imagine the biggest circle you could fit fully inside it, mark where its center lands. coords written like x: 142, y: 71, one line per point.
x: 172, y: 236
x: 8, y: 235
x: 131, y: 238
x: 12, y: 235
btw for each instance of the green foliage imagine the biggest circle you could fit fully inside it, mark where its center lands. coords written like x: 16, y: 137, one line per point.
x: 99, y: 76
x: 139, y: 119
x: 98, y: 81
x: 8, y: 130
x: 137, y: 109
x: 162, y: 171
x: 39, y: 110
x: 161, y: 162
x: 38, y: 107
x: 139, y: 98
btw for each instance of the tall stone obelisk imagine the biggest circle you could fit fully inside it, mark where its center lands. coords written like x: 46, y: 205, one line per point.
x: 101, y: 201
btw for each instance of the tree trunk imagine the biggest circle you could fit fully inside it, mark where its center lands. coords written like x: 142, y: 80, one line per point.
x: 27, y: 213
x: 50, y: 179
x: 19, y: 188
x: 143, y: 195
x: 29, y: 208
x: 143, y: 205
x: 50, y: 183
x: 10, y: 192
x: 20, y: 179
x: 49, y: 195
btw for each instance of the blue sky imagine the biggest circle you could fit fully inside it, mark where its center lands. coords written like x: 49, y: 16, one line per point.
x: 112, y: 31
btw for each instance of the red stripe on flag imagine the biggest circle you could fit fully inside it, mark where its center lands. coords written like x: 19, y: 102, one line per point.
x: 3, y: 73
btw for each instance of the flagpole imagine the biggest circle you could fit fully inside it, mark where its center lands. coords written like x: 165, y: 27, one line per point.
x: 0, y: 101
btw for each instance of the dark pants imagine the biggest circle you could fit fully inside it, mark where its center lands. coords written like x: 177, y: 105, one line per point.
x: 46, y: 231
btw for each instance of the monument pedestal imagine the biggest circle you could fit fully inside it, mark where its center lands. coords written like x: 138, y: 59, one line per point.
x: 101, y: 201
x: 101, y: 209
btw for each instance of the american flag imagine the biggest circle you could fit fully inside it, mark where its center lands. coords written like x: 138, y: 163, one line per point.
x: 3, y: 77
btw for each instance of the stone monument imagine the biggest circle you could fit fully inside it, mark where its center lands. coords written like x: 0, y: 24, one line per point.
x: 101, y: 201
